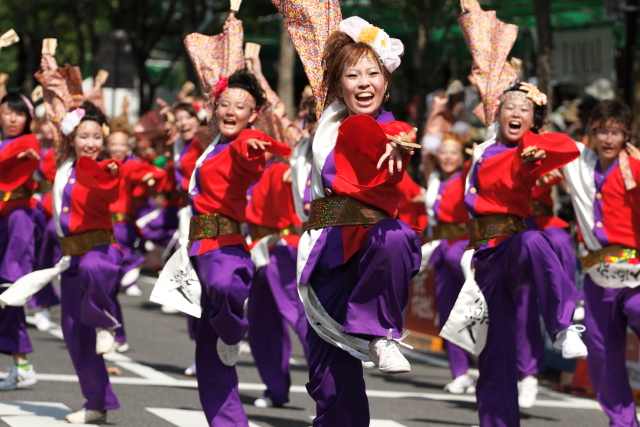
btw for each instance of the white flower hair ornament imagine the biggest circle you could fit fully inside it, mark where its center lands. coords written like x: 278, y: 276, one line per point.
x: 389, y: 50
x: 71, y: 120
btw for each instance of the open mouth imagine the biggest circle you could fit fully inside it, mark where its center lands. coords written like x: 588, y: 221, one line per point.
x: 229, y: 122
x: 364, y: 99
x: 513, y: 125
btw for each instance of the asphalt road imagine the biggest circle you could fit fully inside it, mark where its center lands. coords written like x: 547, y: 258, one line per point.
x: 153, y: 390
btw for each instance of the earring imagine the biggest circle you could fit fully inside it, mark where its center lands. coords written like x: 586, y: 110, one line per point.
x: 386, y: 97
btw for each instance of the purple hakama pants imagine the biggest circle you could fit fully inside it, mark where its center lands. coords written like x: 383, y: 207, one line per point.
x: 449, y: 280
x: 48, y: 256
x: 526, y: 259
x: 161, y: 229
x: 225, y: 274
x: 20, y: 235
x: 529, y: 342
x: 608, y: 312
x: 367, y: 295
x: 87, y: 294
x: 125, y: 234
x: 274, y: 305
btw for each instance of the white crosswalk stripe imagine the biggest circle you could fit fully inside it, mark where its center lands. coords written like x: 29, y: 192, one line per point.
x: 188, y: 418
x: 152, y: 377
x: 385, y: 423
x: 34, y: 414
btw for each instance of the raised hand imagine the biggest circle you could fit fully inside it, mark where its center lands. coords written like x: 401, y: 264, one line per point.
x: 256, y: 144
x: 29, y: 154
x: 532, y: 154
x: 113, y: 168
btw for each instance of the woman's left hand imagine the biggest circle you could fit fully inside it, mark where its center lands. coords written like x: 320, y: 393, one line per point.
x: 532, y: 155
x: 256, y: 144
x: 29, y: 154
x: 113, y: 168
x: 394, y: 153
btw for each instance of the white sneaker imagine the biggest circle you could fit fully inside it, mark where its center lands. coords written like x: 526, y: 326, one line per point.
x: 228, y: 354
x: 43, y: 320
x: 168, y: 310
x: 133, y: 291
x: 570, y: 343
x: 263, y: 402
x: 122, y: 347
x: 385, y: 352
x: 19, y: 378
x: 105, y: 341
x: 368, y: 365
x: 527, y: 392
x: 191, y: 370
x: 85, y: 416
x: 461, y: 385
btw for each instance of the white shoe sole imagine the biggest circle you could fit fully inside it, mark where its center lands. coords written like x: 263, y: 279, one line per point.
x: 122, y: 348
x: 527, y: 405
x: 43, y: 326
x: 574, y: 355
x: 398, y: 369
x: 101, y: 420
x: 27, y: 383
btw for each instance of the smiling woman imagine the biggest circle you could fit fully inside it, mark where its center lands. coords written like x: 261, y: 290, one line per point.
x: 355, y: 260
x: 498, y: 190
x: 355, y: 75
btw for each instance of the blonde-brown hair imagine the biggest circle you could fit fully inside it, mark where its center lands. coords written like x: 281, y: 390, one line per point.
x: 341, y: 52
x: 120, y: 124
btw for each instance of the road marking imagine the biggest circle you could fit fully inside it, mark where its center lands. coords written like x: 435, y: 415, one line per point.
x: 187, y: 417
x: 385, y: 423
x: 34, y: 414
x: 152, y: 377
x: 146, y: 372
x: 376, y: 423
x: 125, y: 362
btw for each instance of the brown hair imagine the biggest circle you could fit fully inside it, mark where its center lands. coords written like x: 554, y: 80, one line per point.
x: 120, y: 124
x: 340, y: 52
x: 613, y: 112
x: 454, y: 137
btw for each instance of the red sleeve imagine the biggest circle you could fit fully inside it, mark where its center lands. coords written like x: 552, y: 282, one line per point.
x: 247, y: 154
x: 139, y: 170
x: 95, y: 175
x: 15, y: 171
x: 363, y: 133
x: 360, y: 144
x: 240, y: 145
x: 48, y: 166
x: 560, y: 149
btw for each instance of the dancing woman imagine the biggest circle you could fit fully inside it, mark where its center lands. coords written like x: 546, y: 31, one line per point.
x: 22, y: 222
x: 356, y: 260
x: 448, y: 217
x: 217, y: 191
x: 503, y: 173
x: 90, y: 270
